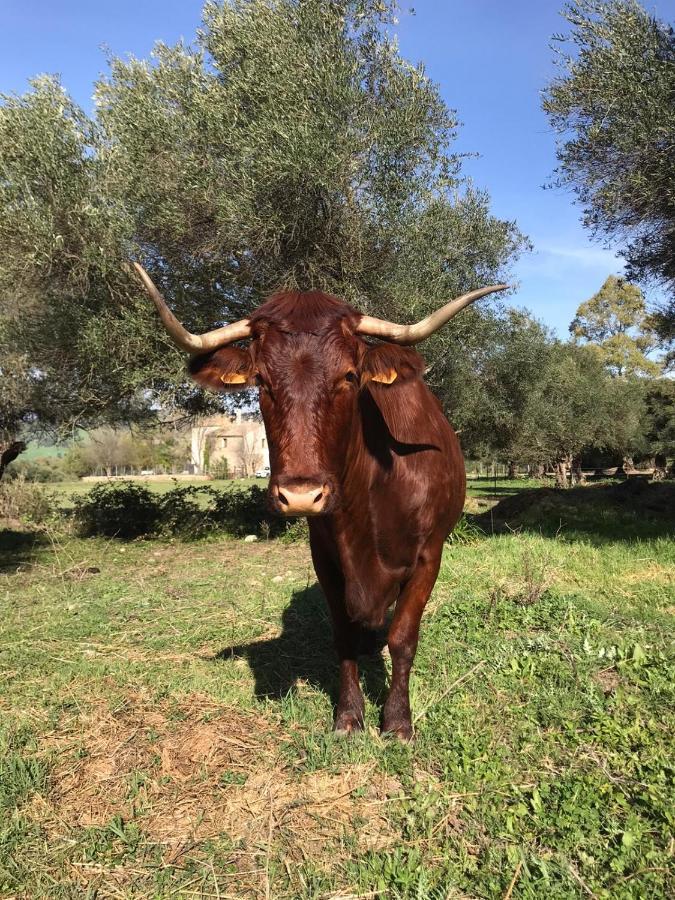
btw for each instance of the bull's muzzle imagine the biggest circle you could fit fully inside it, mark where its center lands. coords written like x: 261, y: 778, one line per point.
x: 298, y: 497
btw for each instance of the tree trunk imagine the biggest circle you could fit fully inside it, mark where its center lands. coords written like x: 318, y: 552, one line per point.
x: 513, y: 470
x: 540, y: 470
x: 8, y: 453
x: 577, y: 472
x: 561, y: 471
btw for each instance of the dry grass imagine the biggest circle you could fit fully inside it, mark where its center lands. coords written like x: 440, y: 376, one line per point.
x: 190, y: 772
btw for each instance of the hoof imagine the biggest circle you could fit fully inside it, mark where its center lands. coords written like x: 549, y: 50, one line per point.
x: 347, y: 723
x: 402, y: 733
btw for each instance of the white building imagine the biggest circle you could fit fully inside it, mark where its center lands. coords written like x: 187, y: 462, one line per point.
x: 237, y: 439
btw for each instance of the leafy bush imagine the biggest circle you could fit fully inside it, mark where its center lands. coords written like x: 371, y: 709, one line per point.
x: 44, y: 469
x: 219, y: 469
x: 25, y: 501
x: 242, y: 511
x: 123, y: 510
x: 128, y: 510
x: 295, y: 530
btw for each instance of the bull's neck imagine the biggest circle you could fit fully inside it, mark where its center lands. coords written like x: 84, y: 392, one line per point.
x: 358, y: 476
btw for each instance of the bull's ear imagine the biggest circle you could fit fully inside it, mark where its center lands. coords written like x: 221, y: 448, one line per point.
x: 397, y: 401
x: 389, y: 363
x: 227, y: 369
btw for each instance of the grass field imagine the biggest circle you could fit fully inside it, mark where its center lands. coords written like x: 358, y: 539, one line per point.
x: 165, y: 714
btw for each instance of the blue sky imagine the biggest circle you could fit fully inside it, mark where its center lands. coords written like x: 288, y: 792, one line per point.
x: 491, y: 59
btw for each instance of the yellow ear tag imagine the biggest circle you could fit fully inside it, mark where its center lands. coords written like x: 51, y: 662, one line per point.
x: 233, y: 378
x: 386, y: 379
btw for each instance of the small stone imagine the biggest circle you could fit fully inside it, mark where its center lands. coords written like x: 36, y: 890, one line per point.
x: 250, y: 538
x: 278, y: 578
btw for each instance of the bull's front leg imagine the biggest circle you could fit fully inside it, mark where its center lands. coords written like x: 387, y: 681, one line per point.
x: 402, y: 642
x: 350, y: 712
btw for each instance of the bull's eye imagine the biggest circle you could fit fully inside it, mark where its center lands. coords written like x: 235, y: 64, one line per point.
x: 352, y: 377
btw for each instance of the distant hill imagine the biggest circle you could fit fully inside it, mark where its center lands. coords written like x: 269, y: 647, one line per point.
x: 37, y: 450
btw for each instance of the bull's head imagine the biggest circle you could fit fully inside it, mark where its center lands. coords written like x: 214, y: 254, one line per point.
x: 308, y: 359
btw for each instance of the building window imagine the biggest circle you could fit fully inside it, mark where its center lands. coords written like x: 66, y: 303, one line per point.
x: 224, y: 444
x: 263, y: 442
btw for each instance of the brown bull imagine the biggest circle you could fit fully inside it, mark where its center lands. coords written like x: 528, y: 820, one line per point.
x: 360, y: 446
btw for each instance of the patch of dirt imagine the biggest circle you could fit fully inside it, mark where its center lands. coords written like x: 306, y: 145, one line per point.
x: 607, y: 680
x: 189, y: 772
x: 472, y: 505
x: 652, y: 572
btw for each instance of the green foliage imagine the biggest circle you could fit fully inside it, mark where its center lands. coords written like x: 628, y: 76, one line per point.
x: 63, y: 296
x: 612, y: 106
x: 124, y: 510
x: 615, y: 323
x: 290, y: 146
x: 332, y: 147
x: 489, y: 388
x: 20, y: 777
x: 572, y: 406
x: 465, y: 532
x: 128, y: 510
x: 525, y: 397
x: 42, y: 469
x: 660, y: 416
x: 25, y: 501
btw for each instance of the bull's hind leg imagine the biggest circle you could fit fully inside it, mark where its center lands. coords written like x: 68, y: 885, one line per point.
x: 402, y: 642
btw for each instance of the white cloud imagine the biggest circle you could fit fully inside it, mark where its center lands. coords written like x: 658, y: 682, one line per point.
x: 588, y: 256
x: 560, y: 261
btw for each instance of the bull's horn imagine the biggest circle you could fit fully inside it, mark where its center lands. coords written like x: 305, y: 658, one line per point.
x: 191, y: 343
x: 413, y: 334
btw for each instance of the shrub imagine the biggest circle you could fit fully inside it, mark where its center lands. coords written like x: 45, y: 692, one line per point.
x: 180, y: 512
x: 44, y: 469
x: 242, y: 511
x: 123, y: 510
x: 25, y: 501
x: 295, y: 530
x: 219, y: 469
x: 128, y: 510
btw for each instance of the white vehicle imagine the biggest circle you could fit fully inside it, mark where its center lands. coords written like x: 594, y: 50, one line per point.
x: 263, y: 473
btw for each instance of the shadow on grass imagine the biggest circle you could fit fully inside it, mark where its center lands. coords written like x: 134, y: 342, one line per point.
x: 602, y: 513
x: 19, y: 548
x: 304, y: 652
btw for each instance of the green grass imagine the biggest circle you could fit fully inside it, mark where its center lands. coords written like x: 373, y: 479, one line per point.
x: 165, y: 714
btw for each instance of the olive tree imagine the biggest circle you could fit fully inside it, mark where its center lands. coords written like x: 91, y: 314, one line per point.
x: 289, y: 146
x: 574, y: 405
x: 612, y: 107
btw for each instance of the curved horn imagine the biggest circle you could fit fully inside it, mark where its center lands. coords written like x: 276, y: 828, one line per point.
x: 182, y: 338
x: 413, y: 334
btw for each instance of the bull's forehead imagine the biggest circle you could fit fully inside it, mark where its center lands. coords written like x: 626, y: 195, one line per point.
x: 307, y: 355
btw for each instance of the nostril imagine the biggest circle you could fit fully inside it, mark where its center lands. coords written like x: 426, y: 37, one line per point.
x: 282, y: 498
x: 318, y: 497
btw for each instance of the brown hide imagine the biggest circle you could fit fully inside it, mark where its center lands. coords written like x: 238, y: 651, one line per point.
x: 359, y: 422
